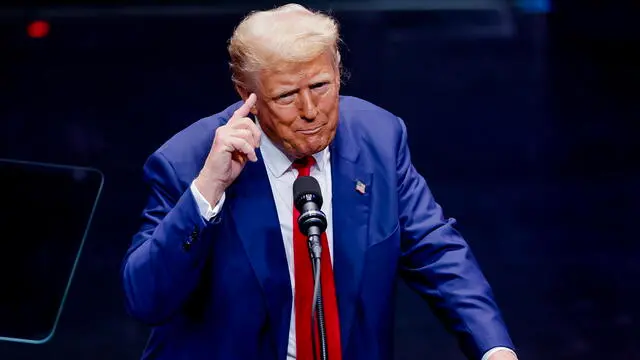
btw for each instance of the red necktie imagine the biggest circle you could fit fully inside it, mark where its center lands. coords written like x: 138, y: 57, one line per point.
x: 304, y: 288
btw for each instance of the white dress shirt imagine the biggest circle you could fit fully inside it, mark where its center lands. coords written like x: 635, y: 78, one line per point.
x: 281, y: 177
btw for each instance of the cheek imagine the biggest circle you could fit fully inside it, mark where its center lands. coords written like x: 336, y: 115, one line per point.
x: 283, y: 119
x: 329, y: 108
x: 330, y: 100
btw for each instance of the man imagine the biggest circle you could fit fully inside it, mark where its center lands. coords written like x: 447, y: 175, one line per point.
x: 219, y: 266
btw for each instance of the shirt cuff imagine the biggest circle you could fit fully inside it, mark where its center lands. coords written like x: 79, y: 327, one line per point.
x: 204, y: 207
x: 495, y: 350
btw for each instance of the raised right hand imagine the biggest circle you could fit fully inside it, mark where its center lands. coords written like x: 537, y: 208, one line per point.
x: 233, y: 145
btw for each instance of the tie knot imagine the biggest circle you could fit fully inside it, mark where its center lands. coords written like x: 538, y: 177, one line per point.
x: 303, y: 165
x: 305, y: 162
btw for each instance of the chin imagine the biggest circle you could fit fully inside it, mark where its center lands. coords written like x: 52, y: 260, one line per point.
x: 309, y: 145
x: 316, y: 144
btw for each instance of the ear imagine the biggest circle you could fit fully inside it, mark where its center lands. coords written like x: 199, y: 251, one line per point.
x: 244, y: 94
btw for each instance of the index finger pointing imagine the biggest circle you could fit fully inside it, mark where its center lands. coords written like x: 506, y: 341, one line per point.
x: 245, y: 109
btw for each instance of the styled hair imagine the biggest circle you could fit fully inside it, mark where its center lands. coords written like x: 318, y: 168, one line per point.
x: 267, y: 40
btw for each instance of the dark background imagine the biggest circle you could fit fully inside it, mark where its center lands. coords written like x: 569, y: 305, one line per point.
x: 525, y: 125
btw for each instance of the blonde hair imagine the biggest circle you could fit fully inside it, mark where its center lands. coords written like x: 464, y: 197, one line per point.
x: 265, y: 40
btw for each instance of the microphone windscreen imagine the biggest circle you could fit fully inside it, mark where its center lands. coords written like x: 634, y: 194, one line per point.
x: 306, y: 188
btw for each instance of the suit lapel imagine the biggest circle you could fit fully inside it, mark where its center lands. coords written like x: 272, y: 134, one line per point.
x: 256, y: 219
x: 351, y: 213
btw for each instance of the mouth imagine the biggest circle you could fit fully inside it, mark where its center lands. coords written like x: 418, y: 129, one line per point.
x: 311, y: 131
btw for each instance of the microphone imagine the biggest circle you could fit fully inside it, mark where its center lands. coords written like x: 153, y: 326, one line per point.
x: 307, y: 198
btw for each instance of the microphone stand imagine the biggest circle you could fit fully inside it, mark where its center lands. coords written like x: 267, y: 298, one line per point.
x: 315, y: 249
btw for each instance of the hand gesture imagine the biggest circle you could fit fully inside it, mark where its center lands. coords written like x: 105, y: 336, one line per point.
x: 233, y: 145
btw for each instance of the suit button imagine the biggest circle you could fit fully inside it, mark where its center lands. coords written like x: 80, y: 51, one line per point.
x: 186, y: 245
x: 195, y: 233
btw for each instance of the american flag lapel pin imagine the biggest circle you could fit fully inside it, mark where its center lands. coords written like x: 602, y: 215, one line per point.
x: 361, y: 187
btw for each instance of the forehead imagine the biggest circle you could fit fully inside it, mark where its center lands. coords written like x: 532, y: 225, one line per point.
x: 289, y: 75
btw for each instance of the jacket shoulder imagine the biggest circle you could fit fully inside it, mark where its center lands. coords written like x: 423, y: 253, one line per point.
x: 376, y: 126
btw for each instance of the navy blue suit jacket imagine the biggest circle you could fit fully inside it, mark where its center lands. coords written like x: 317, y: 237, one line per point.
x: 221, y: 290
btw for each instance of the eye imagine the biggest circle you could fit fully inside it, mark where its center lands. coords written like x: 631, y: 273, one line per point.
x: 320, y: 85
x: 286, y: 95
x: 286, y: 98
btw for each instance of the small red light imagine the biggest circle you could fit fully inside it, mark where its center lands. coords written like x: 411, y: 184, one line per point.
x: 38, y: 29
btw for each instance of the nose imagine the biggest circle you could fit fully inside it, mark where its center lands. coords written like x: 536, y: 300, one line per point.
x: 308, y: 109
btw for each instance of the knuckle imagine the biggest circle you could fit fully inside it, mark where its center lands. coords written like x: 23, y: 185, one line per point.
x: 221, y: 131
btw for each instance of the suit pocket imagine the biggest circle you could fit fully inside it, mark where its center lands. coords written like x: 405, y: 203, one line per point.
x: 379, y: 278
x: 389, y: 237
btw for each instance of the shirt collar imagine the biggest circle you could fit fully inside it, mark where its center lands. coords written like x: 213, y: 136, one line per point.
x: 278, y: 163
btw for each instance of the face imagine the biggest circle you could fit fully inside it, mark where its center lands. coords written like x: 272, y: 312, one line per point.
x: 297, y: 105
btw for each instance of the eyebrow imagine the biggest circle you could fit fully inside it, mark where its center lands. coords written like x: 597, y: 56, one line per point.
x: 295, y: 90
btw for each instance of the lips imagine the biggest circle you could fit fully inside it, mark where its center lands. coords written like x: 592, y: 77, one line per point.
x: 311, y: 131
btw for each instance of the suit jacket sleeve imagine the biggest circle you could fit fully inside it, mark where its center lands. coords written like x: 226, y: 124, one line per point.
x: 438, y: 264
x: 162, y: 267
